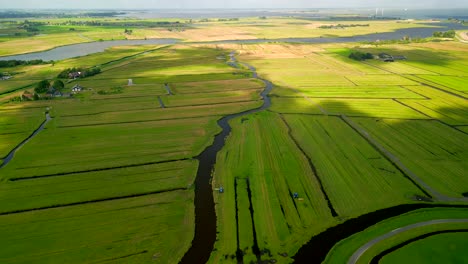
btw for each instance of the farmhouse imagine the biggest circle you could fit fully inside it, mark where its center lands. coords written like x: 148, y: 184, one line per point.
x: 77, y: 88
x: 386, y: 57
x: 74, y: 75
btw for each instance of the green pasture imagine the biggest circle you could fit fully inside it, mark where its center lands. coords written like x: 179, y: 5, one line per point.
x: 28, y: 194
x: 112, y: 145
x: 433, y: 151
x: 137, y: 230
x: 261, y: 152
x: 357, y: 178
x: 211, y: 98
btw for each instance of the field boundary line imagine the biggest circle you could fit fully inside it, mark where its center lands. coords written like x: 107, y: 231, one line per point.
x: 389, y: 156
x: 422, y: 185
x: 95, y: 170
x: 92, y: 201
x: 312, y: 167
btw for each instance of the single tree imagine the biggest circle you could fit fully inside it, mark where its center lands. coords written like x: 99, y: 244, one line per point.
x: 42, y: 86
x: 58, y: 85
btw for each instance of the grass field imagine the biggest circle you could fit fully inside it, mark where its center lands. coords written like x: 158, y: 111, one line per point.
x: 154, y: 227
x: 438, y: 157
x: 349, y: 166
x: 121, y: 166
x: 345, y: 248
x: 260, y: 152
x: 114, y: 170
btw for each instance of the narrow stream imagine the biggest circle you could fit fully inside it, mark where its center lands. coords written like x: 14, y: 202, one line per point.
x: 205, y: 215
x: 10, y: 155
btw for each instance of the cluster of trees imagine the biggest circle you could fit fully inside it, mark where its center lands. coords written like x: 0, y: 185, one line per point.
x: 84, y: 72
x: 360, y: 56
x: 44, y: 85
x: 13, y: 63
x: 128, y: 31
x: 343, y: 26
x: 446, y: 34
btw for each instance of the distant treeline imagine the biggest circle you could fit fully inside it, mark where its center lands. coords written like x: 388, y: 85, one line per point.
x: 18, y: 14
x: 13, y: 63
x: 343, y: 26
x: 446, y: 34
x: 65, y: 74
x: 118, y: 23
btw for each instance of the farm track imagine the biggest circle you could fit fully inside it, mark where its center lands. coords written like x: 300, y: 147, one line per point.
x: 205, y: 213
x: 377, y: 258
x: 316, y: 250
x: 94, y: 170
x: 92, y: 201
x: 312, y: 166
x: 355, y: 257
x: 10, y: 155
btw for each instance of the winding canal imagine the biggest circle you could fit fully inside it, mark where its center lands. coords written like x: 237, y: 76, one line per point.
x: 205, y: 214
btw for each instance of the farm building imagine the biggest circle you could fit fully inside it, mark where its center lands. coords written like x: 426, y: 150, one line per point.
x: 74, y: 75
x: 386, y: 57
x: 77, y: 88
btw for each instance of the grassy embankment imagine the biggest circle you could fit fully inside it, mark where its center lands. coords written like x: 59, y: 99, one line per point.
x: 345, y: 248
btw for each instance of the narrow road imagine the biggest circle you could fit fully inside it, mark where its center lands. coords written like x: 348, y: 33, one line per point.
x: 355, y: 257
x: 10, y: 155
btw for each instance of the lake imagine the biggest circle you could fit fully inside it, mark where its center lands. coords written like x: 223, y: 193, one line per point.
x: 82, y: 49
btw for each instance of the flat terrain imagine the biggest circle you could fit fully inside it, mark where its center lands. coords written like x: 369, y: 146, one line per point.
x: 115, y: 175
x: 121, y: 159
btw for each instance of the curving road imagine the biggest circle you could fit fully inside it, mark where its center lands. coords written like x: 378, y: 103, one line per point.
x: 358, y: 253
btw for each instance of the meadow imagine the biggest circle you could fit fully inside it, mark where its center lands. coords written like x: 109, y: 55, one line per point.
x: 122, y: 167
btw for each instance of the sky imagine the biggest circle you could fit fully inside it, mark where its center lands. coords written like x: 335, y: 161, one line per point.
x: 191, y: 4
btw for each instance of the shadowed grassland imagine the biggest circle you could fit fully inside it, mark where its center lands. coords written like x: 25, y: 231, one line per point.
x: 350, y: 167
x: 345, y: 248
x: 435, y: 152
x: 137, y: 230
x: 261, y: 152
